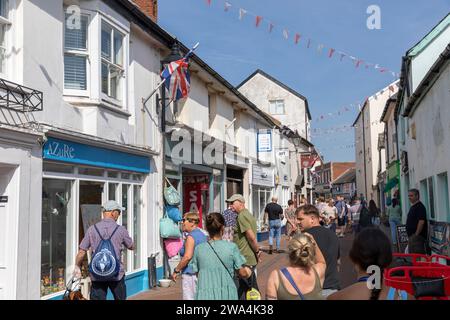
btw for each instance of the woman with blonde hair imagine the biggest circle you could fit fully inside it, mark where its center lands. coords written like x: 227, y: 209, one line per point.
x: 194, y: 237
x: 303, y: 278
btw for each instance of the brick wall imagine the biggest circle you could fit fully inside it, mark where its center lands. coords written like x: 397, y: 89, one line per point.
x: 149, y: 7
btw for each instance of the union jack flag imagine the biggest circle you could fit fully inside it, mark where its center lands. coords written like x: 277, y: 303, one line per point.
x: 177, y: 79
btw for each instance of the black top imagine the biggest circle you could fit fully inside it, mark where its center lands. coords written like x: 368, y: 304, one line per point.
x: 417, y: 212
x: 328, y: 243
x: 274, y: 210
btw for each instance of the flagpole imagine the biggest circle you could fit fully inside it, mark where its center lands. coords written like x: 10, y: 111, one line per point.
x: 144, y: 101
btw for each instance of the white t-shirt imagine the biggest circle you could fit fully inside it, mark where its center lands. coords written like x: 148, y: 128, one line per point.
x: 329, y: 212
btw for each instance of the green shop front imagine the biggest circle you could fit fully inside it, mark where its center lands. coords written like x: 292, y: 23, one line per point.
x: 78, y: 177
x: 392, y: 186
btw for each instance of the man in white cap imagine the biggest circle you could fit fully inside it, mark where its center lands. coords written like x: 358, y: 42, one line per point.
x: 106, y: 229
x: 245, y: 238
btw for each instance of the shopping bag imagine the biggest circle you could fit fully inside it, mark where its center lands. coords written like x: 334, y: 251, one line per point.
x: 169, y: 229
x: 173, y: 246
x: 174, y: 213
x: 171, y: 195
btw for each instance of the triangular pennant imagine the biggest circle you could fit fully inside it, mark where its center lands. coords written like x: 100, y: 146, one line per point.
x: 331, y: 52
x: 297, y: 38
x: 271, y: 26
x: 227, y: 6
x: 342, y: 56
x: 309, y: 43
x: 320, y: 48
x: 258, y: 21
x: 358, y: 63
x: 285, y: 34
x: 383, y: 70
x: 208, y: 2
x: 242, y: 12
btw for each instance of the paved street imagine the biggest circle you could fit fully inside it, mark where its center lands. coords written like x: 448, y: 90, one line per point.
x: 269, y: 263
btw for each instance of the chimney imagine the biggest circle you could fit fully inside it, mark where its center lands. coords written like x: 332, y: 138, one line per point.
x: 149, y: 7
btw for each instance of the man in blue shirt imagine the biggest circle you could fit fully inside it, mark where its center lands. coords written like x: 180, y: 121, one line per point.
x: 341, y: 207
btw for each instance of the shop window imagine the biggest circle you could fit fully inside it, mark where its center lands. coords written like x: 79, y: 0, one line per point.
x: 137, y: 203
x: 112, y: 191
x: 91, y: 171
x: 443, y: 197
x: 56, y: 236
x: 431, y: 197
x: 113, y: 174
x: 57, y: 167
x: 124, y: 218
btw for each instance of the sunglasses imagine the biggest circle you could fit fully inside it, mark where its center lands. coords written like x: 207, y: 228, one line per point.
x: 190, y: 220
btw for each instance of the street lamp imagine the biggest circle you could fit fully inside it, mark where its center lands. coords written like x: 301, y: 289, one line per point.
x: 173, y: 56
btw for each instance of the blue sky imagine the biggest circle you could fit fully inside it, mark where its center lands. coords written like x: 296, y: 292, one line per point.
x: 235, y: 48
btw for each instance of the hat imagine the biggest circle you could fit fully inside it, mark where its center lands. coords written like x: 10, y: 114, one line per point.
x: 236, y: 197
x: 112, y: 205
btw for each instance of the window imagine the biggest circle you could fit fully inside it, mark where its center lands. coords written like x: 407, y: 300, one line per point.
x: 112, y: 59
x: 431, y: 197
x: 76, y: 55
x: 276, y: 106
x: 4, y: 26
x: 443, y: 197
x: 56, y: 235
x: 137, y: 226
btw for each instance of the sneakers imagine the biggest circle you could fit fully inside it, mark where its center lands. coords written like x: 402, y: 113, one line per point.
x: 270, y: 250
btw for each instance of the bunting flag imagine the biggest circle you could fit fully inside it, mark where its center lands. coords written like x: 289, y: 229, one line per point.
x: 330, y: 54
x: 258, y: 20
x: 242, y: 12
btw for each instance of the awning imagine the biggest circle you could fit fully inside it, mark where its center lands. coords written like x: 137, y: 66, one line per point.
x: 391, y: 184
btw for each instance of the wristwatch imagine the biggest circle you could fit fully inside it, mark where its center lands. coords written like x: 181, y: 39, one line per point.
x: 175, y: 271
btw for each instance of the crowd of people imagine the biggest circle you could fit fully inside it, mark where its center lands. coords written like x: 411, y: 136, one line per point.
x: 222, y: 264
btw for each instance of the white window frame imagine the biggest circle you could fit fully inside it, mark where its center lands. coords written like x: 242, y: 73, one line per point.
x: 85, y: 53
x: 277, y: 103
x: 7, y: 22
x: 124, y: 68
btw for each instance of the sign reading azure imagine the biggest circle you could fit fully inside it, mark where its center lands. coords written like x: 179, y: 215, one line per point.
x: 73, y: 152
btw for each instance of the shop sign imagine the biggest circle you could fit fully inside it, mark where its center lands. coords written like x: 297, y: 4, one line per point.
x: 402, y: 238
x: 73, y: 152
x: 263, y: 176
x: 264, y: 141
x: 193, y: 199
x: 3, y: 199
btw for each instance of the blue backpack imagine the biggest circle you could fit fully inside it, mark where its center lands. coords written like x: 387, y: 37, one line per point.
x: 104, y: 265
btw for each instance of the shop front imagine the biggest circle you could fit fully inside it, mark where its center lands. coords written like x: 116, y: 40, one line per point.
x: 77, y: 179
x: 262, y: 190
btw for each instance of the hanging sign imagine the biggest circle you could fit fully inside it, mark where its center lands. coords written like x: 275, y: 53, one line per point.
x: 193, y: 199
x: 264, y: 141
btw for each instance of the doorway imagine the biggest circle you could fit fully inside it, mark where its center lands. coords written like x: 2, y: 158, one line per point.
x: 8, y: 231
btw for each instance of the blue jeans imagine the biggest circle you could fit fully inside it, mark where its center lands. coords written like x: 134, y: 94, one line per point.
x: 275, y: 231
x: 99, y: 289
x: 393, y: 225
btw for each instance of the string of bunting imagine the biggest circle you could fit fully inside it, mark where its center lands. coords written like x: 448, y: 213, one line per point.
x: 299, y: 38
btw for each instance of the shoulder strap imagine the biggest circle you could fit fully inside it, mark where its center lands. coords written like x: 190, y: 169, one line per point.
x: 95, y: 226
x: 291, y: 281
x: 117, y: 227
x: 221, y: 260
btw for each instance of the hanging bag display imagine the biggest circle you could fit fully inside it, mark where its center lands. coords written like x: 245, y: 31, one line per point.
x: 169, y: 229
x: 174, y: 213
x: 171, y: 195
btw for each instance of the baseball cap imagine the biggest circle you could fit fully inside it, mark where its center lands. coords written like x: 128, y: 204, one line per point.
x: 112, y: 205
x: 236, y: 197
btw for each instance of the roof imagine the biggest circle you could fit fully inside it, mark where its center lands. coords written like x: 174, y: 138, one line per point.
x: 429, y: 37
x: 135, y: 14
x: 428, y: 81
x: 392, y: 99
x: 347, y: 177
x: 281, y: 84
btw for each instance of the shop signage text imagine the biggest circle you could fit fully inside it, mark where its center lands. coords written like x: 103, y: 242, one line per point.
x: 61, y: 150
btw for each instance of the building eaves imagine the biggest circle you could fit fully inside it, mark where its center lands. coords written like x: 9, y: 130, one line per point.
x: 347, y: 176
x: 281, y: 84
x: 428, y: 81
x: 133, y: 12
x: 392, y: 99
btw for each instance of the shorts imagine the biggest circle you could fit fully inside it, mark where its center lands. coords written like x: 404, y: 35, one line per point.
x: 342, y: 221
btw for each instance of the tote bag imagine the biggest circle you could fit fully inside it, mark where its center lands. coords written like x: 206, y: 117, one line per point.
x: 171, y: 195
x: 169, y: 229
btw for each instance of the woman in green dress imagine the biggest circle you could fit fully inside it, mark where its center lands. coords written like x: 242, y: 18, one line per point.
x: 216, y: 261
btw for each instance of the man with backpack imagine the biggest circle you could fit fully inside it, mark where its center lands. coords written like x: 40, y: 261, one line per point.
x: 106, y: 240
x: 342, y: 211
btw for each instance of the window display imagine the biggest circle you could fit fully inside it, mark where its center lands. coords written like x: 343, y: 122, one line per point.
x: 56, y: 205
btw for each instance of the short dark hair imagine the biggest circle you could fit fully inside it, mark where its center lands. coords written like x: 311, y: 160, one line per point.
x: 308, y: 209
x: 290, y: 202
x: 214, y: 223
x: 415, y: 191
